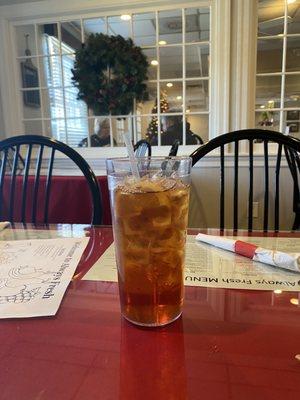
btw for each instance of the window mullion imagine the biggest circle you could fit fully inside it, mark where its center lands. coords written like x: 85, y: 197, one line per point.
x: 158, y: 81
x: 183, y: 81
x: 39, y: 78
x: 82, y: 42
x: 282, y: 93
x: 133, y: 114
x: 63, y: 81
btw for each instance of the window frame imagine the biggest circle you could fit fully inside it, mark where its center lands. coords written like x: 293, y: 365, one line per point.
x: 68, y: 10
x: 81, y: 107
x: 282, y: 74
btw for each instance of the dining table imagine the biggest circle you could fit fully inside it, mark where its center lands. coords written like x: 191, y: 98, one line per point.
x: 235, y: 344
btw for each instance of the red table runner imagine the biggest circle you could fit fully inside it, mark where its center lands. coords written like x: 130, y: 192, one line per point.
x: 70, y: 199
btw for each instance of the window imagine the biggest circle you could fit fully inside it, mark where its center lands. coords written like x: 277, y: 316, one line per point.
x: 177, y: 45
x: 278, y: 66
x: 63, y: 102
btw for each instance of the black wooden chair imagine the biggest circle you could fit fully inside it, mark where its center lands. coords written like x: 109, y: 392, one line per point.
x: 293, y: 159
x: 34, y: 148
x: 174, y: 148
x: 10, y: 161
x: 142, y: 148
x: 284, y: 145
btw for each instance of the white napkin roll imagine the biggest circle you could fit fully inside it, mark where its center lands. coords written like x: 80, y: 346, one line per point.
x: 218, y: 241
x: 290, y: 261
x: 279, y: 259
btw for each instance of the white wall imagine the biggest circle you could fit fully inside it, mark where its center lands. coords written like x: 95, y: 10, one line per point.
x: 2, y: 133
x: 204, y: 202
x: 204, y: 199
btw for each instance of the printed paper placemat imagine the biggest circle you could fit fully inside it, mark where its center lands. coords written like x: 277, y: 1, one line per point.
x: 211, y: 267
x: 34, y: 274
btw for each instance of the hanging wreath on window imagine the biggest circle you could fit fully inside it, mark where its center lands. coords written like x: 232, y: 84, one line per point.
x: 110, y: 72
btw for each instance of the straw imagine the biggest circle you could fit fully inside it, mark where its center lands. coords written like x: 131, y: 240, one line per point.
x: 130, y: 151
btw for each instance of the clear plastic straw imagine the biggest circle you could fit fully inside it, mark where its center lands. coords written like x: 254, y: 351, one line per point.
x: 130, y: 151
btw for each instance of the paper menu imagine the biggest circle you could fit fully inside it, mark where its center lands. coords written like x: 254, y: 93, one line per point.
x: 211, y: 267
x: 34, y: 274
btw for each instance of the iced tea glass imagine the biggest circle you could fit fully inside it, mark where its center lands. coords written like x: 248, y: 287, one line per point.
x: 149, y: 217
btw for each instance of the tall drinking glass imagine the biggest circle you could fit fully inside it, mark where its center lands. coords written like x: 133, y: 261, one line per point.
x: 149, y: 217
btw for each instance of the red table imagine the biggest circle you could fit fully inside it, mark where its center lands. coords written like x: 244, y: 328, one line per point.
x: 229, y: 344
x: 70, y: 200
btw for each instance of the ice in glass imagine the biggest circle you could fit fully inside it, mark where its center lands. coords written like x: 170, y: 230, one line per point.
x: 150, y: 220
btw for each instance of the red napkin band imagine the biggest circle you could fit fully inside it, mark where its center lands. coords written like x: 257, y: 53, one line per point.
x: 245, y: 249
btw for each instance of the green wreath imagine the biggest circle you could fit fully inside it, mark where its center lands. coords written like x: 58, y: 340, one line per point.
x: 109, y: 72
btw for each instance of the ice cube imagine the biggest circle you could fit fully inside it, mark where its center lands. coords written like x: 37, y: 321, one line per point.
x: 137, y: 255
x: 175, y: 241
x: 179, y: 197
x: 180, y: 218
x: 160, y: 216
x: 126, y: 204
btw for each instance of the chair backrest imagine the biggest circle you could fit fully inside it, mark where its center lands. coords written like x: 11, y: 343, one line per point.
x: 284, y: 144
x: 174, y: 148
x: 10, y: 161
x: 293, y: 160
x: 35, y: 147
x: 142, y: 148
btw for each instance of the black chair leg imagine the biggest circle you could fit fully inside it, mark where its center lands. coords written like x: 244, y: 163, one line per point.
x: 296, y: 224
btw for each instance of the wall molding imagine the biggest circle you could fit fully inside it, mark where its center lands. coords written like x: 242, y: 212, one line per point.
x: 63, y: 166
x: 9, y: 81
x: 243, y: 64
x: 220, y: 70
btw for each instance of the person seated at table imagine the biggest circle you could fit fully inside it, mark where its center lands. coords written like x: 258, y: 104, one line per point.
x: 101, y: 137
x: 173, y: 128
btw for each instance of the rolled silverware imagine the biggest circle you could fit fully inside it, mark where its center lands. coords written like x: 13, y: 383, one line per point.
x: 290, y: 261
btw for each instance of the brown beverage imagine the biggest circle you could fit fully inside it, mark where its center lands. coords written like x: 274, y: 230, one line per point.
x: 150, y: 220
